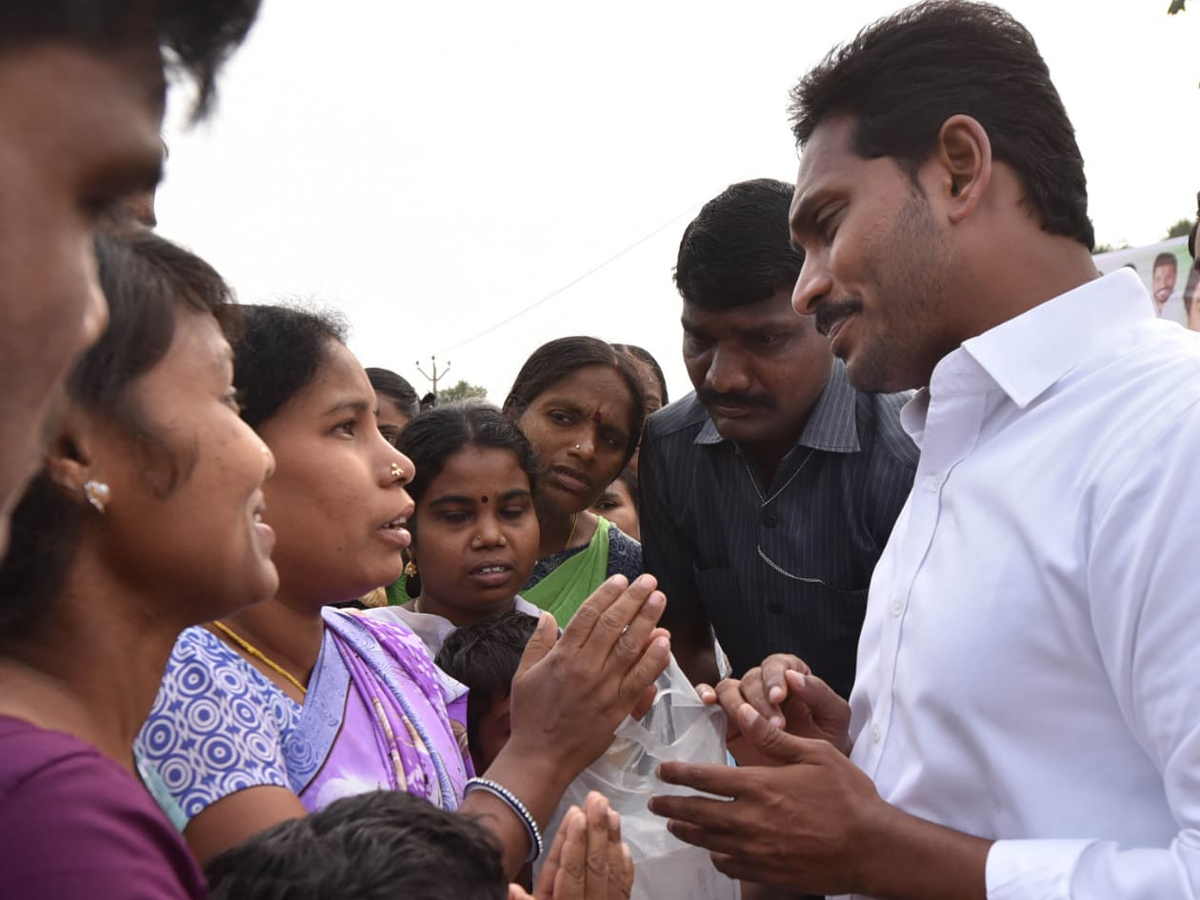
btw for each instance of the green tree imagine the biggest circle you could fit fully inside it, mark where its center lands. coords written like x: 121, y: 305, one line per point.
x: 1182, y: 228
x: 462, y: 391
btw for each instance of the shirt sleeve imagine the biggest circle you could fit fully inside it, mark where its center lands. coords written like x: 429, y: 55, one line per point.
x: 666, y: 552
x: 624, y: 554
x: 79, y: 827
x: 1143, y: 580
x: 216, y: 726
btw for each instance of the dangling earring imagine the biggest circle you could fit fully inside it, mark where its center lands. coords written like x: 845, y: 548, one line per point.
x: 411, y: 569
x: 97, y: 494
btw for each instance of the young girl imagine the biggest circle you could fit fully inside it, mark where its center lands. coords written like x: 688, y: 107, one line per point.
x: 288, y: 706
x: 474, y: 530
x: 145, y: 518
x: 581, y: 405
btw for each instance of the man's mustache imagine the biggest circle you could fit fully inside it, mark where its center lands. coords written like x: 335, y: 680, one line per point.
x: 709, y: 397
x: 828, y: 313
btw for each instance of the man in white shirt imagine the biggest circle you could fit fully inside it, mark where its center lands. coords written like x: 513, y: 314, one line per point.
x: 1025, y: 722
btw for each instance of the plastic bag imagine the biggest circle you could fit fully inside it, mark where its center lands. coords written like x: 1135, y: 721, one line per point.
x: 677, y: 727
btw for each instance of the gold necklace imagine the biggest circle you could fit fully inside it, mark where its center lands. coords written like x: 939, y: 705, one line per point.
x: 261, y: 657
x: 571, y: 536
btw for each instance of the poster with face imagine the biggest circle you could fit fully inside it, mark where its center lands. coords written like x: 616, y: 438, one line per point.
x: 1168, y: 273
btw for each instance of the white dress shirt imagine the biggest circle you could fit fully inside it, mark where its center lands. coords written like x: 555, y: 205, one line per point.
x: 1029, y: 668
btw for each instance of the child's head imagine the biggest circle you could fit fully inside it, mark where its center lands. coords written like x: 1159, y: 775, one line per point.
x: 485, y: 657
x: 474, y: 532
x: 373, y: 846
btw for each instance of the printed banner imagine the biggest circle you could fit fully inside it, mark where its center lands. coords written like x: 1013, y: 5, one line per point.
x: 1168, y: 273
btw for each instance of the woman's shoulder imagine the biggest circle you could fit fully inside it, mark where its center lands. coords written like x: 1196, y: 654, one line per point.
x: 202, y: 663
x: 368, y: 635
x: 57, y: 791
x: 624, y: 554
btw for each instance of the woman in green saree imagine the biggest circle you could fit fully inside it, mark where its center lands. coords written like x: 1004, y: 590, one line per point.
x: 581, y: 404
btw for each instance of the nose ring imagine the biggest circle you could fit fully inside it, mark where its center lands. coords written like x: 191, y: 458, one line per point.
x: 396, y: 472
x: 579, y: 446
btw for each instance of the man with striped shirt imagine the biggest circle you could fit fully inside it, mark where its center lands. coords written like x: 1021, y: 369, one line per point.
x: 768, y: 493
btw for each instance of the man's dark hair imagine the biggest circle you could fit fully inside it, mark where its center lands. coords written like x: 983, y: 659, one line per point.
x: 644, y: 356
x: 906, y: 74
x: 1166, y: 259
x: 559, y: 359
x: 195, y: 36
x: 278, y: 352
x: 395, y: 388
x: 738, y: 250
x: 147, y: 281
x: 484, y: 657
x: 374, y: 846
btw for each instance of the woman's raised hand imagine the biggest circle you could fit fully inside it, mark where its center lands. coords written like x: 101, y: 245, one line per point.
x: 570, y: 694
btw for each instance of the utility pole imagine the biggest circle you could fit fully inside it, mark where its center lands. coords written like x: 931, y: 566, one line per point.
x: 434, y: 378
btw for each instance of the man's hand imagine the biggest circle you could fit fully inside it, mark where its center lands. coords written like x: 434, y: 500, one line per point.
x: 783, y: 691
x: 804, y: 822
x: 813, y: 822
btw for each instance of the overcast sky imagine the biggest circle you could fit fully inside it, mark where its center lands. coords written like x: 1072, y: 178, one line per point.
x: 431, y: 169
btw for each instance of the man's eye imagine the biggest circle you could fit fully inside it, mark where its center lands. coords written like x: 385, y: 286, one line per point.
x: 826, y: 225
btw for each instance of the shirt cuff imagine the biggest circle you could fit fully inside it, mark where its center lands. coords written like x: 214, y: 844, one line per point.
x: 1041, y: 869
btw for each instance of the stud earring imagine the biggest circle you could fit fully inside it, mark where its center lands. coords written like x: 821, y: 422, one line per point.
x: 97, y: 494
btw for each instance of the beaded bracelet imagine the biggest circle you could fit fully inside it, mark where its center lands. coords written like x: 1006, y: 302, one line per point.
x: 518, y: 808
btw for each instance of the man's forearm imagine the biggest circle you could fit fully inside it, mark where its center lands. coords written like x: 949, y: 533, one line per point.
x: 907, y: 858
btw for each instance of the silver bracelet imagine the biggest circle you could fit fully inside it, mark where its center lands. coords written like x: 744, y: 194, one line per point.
x: 493, y: 787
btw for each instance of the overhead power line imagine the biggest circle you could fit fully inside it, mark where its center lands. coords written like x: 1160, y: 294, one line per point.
x: 570, y: 284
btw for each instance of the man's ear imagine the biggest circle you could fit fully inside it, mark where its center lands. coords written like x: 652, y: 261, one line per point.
x: 964, y: 153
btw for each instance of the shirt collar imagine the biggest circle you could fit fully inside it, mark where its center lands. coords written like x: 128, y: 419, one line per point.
x: 1028, y: 354
x: 831, y: 426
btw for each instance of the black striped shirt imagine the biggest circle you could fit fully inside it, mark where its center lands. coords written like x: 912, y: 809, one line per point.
x: 783, y: 567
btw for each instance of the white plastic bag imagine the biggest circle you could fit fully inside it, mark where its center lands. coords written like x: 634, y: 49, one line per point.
x: 677, y: 727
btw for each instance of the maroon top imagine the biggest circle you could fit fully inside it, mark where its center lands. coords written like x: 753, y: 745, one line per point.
x: 73, y: 823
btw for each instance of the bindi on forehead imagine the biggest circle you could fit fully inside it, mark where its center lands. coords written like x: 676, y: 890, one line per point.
x: 483, y: 499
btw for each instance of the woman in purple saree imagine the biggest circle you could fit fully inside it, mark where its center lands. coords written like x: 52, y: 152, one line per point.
x: 284, y: 707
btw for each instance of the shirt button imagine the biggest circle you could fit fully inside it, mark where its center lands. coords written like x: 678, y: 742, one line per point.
x: 775, y: 607
x: 770, y: 519
x: 932, y: 483
x: 876, y: 734
x: 897, y: 607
